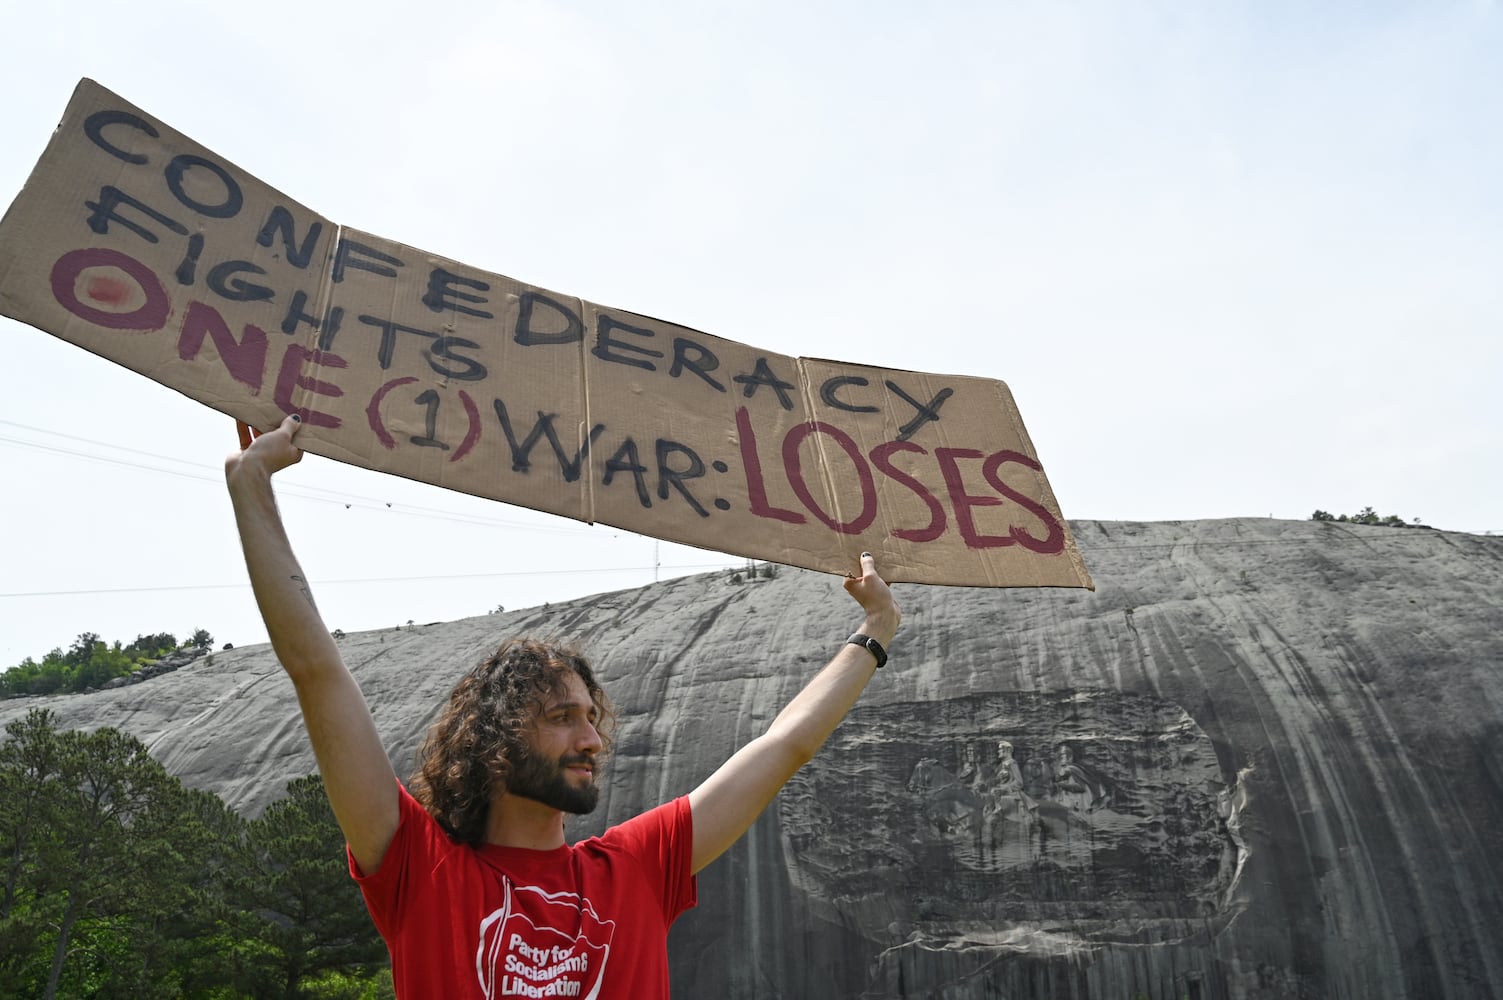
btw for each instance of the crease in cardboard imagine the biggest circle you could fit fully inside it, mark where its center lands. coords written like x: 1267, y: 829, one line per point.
x: 831, y: 498
x: 587, y: 400
x: 323, y: 301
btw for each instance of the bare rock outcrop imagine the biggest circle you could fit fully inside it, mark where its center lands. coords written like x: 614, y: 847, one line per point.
x: 1264, y: 759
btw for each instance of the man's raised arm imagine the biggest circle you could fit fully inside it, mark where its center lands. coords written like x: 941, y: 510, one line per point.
x: 729, y: 800
x: 356, y: 771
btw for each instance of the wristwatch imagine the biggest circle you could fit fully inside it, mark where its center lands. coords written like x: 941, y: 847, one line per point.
x: 872, y: 646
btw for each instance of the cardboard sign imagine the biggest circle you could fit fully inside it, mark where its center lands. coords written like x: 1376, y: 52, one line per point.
x: 135, y: 243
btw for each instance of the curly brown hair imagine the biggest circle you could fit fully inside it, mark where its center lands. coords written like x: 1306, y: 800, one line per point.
x: 482, y: 732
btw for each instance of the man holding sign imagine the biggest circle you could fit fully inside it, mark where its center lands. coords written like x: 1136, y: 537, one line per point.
x: 468, y: 876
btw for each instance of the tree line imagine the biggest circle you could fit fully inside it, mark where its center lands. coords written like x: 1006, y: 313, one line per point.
x: 1367, y: 516
x: 120, y: 881
x: 92, y: 663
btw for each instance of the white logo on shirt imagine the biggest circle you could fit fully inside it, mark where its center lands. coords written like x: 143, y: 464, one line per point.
x: 541, y: 944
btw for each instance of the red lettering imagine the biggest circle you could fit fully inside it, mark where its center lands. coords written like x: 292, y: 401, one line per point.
x: 963, y: 501
x: 291, y: 377
x: 793, y: 467
x: 244, y: 359
x: 882, y: 458
x: 148, y: 318
x: 1055, y: 542
x: 756, y: 490
x: 373, y: 412
x: 472, y: 412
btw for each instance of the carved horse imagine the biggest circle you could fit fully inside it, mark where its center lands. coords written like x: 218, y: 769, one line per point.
x: 949, y: 806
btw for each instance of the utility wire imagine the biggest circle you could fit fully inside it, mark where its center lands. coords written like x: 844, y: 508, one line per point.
x: 348, y: 500
x: 371, y: 579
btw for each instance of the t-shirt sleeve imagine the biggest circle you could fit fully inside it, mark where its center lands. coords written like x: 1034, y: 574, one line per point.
x: 417, y: 845
x: 662, y: 840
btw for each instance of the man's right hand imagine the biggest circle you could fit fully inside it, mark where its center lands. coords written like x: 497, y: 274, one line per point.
x: 357, y: 774
x: 267, y: 453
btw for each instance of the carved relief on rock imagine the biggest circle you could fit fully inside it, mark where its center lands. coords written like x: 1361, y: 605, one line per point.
x: 1092, y: 805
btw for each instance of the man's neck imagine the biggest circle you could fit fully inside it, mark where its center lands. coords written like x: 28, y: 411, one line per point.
x: 515, y: 821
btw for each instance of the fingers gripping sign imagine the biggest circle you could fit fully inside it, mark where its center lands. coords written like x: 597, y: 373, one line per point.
x: 272, y: 450
x: 875, y: 598
x: 868, y: 585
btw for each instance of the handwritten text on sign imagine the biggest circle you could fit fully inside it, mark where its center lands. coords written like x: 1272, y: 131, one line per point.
x: 141, y: 246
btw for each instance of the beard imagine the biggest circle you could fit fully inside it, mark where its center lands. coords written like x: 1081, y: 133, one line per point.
x: 547, y: 782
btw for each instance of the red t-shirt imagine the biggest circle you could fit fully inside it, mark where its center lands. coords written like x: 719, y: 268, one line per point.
x: 585, y: 920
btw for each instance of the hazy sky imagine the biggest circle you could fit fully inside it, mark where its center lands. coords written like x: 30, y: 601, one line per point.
x: 1233, y: 259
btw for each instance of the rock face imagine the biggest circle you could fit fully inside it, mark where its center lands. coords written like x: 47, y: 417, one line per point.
x: 1265, y: 759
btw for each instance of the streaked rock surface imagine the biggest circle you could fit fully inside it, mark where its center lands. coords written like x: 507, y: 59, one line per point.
x: 1263, y: 760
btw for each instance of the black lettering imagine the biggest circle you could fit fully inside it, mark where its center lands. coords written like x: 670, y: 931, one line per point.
x: 441, y: 292
x: 429, y: 399
x: 187, y: 271
x: 222, y: 279
x: 280, y: 221
x: 111, y: 198
x: 437, y: 350
x: 327, y: 327
x: 357, y: 256
x: 573, y: 330
x: 702, y: 363
x: 926, y: 412
x: 671, y: 477
x: 521, y: 453
x: 827, y: 393
x: 626, y: 460
x: 233, y: 198
x: 95, y: 124
x: 469, y: 369
x: 389, y: 331
x: 604, y: 344
x: 763, y: 375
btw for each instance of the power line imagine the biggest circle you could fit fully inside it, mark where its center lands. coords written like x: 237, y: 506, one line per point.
x: 371, y: 579
x: 311, y: 493
x: 102, y: 444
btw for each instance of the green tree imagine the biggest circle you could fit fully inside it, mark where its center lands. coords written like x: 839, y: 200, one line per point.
x: 117, y: 876
x: 115, y: 842
x: 30, y: 763
x: 312, y: 919
x: 31, y: 677
x: 88, y: 663
x: 151, y: 647
x: 104, y: 664
x: 82, y: 649
x: 1366, y: 515
x: 121, y: 882
x: 29, y: 759
x: 175, y: 936
x: 339, y: 985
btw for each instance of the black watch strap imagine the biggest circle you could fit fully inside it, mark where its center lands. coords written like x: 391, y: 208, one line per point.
x: 872, y: 646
